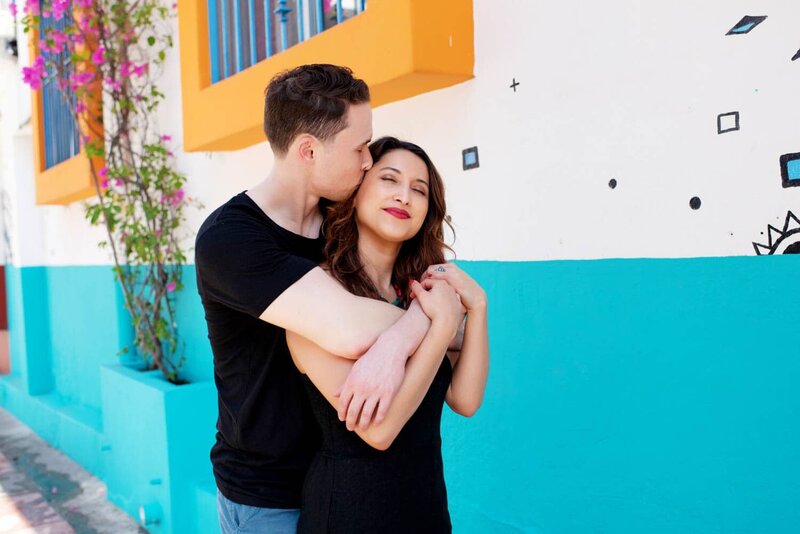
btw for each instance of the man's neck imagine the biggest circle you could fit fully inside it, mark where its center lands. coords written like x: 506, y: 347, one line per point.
x: 286, y: 197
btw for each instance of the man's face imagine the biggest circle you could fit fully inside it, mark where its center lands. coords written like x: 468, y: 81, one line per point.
x: 345, y: 158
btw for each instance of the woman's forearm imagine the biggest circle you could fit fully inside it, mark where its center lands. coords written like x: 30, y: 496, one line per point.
x: 472, y: 367
x: 420, y: 371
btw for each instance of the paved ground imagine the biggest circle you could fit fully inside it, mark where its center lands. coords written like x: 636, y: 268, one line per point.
x: 44, y: 492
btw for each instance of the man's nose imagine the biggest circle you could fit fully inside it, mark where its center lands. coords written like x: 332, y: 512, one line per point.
x: 366, y: 164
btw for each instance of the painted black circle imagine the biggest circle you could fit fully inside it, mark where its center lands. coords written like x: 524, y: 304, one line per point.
x: 694, y: 203
x: 794, y: 248
x: 612, y: 183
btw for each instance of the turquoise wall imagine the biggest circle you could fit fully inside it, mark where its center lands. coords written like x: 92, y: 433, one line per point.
x: 624, y: 395
x: 634, y: 396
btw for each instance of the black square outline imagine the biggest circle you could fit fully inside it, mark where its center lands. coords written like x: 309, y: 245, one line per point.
x: 747, y: 19
x: 785, y: 159
x: 719, y: 122
x: 473, y: 149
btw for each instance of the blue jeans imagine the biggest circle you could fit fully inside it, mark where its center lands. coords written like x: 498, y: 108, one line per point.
x: 237, y: 518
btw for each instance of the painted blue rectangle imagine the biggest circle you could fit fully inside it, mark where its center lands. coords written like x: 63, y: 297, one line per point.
x: 743, y: 29
x: 251, y: 13
x: 300, y: 23
x: 213, y: 39
x: 793, y: 169
x: 320, y: 16
x: 237, y: 25
x: 268, y: 26
x: 60, y: 130
x: 469, y: 158
x: 224, y: 19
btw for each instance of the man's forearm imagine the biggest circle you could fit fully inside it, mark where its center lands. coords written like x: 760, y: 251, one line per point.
x: 408, y: 332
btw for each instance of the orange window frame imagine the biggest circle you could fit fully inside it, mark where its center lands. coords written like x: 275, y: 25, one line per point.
x: 71, y: 180
x: 401, y: 48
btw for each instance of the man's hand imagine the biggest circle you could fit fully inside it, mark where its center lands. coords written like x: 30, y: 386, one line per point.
x: 376, y: 376
x: 371, y: 385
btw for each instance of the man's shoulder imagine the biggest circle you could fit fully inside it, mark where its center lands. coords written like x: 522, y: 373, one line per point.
x: 228, y: 220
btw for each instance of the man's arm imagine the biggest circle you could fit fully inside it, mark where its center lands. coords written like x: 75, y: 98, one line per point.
x: 318, y: 308
x: 328, y: 372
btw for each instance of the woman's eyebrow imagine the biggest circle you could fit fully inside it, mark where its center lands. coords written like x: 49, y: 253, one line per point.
x: 391, y: 169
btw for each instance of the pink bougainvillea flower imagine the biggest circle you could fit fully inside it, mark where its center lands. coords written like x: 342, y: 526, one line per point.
x: 113, y: 84
x: 118, y: 182
x: 31, y: 8
x: 140, y: 70
x: 99, y: 56
x: 59, y: 8
x: 78, y: 80
x: 171, y: 287
x: 125, y: 69
x: 80, y: 107
x: 57, y: 38
x: 166, y: 138
x: 104, y: 183
x: 12, y: 7
x: 32, y: 78
x: 85, y: 3
x: 177, y: 197
x: 33, y: 75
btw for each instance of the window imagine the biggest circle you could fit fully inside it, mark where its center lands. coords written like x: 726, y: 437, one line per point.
x: 63, y: 173
x: 401, y: 48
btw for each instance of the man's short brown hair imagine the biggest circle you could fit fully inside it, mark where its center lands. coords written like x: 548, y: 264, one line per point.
x: 310, y: 99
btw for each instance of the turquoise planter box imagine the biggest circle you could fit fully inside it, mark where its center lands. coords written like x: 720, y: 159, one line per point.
x: 157, y: 442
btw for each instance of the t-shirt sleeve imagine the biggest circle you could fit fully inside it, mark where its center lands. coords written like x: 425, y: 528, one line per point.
x: 244, y: 268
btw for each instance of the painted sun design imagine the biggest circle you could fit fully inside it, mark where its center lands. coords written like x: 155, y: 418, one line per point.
x: 786, y: 241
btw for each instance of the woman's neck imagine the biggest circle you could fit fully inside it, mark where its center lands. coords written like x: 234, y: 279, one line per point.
x: 378, y: 257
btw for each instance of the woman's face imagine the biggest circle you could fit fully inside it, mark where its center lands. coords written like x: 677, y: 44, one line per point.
x: 392, y: 201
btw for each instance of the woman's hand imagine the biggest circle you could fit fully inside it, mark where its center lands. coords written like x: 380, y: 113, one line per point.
x: 473, y: 297
x: 440, y: 302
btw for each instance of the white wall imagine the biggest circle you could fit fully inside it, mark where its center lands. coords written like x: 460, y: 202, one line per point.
x: 620, y: 89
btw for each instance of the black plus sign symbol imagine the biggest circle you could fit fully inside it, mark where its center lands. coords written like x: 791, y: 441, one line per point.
x: 514, y: 84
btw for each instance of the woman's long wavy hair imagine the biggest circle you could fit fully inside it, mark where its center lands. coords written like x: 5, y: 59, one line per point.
x: 426, y: 248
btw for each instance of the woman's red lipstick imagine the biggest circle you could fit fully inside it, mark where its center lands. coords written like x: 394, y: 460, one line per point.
x: 397, y: 212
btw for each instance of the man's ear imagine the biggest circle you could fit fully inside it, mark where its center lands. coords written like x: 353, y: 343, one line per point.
x: 306, y: 147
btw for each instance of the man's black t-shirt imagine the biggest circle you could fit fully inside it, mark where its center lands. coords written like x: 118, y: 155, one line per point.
x: 266, y: 433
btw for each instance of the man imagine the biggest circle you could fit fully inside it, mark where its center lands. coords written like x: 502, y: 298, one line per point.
x: 257, y: 260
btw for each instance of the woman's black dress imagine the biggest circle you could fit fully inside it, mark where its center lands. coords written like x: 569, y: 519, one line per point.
x: 353, y: 488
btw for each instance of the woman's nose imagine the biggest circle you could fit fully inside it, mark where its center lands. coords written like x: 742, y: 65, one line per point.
x: 403, y: 195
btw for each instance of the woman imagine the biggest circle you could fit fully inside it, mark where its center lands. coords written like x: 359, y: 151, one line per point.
x: 388, y: 477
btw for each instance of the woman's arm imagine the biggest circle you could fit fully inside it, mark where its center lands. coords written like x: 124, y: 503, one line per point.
x: 471, y: 367
x: 328, y: 371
